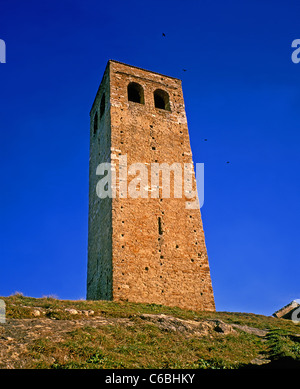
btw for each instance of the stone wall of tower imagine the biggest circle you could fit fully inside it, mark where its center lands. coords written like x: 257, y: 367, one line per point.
x: 99, y: 275
x: 158, y: 253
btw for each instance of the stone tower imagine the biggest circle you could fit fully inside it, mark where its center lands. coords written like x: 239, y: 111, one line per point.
x: 142, y: 249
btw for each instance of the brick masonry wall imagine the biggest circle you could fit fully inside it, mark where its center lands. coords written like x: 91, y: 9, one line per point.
x: 145, y: 249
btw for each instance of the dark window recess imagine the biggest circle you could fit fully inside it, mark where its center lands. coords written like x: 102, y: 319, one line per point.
x: 161, y: 100
x: 135, y: 93
x: 160, y: 231
x: 95, y: 123
x: 102, y: 105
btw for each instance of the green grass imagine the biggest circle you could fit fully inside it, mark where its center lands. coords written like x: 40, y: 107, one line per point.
x: 143, y: 344
x: 19, y: 306
x: 283, y: 344
x: 141, y: 347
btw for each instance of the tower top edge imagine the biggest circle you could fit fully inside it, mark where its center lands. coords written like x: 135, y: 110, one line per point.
x: 145, y: 70
x: 107, y: 69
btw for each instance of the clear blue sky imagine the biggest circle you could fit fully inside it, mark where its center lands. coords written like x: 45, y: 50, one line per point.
x: 242, y: 93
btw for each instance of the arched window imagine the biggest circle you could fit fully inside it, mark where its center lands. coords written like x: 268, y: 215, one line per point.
x: 161, y: 99
x: 95, y: 123
x: 102, y: 105
x: 135, y: 93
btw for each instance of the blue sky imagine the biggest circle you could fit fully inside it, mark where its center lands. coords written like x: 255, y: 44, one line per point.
x: 242, y: 93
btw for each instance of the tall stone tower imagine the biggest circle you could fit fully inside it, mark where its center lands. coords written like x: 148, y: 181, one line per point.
x: 143, y: 249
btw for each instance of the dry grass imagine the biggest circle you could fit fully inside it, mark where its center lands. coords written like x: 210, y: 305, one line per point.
x: 125, y: 340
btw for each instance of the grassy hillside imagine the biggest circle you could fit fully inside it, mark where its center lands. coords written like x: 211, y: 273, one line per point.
x: 61, y: 334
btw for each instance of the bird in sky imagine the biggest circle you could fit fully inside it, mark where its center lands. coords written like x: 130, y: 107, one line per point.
x: 184, y: 70
x: 163, y: 34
